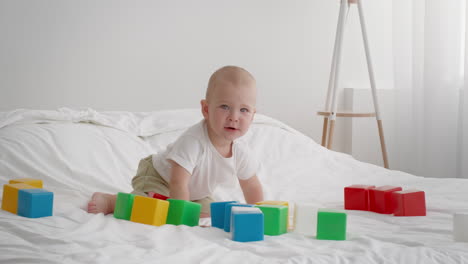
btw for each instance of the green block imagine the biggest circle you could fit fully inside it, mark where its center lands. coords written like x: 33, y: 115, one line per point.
x: 182, y: 212
x: 331, y: 224
x: 275, y: 219
x: 123, y: 206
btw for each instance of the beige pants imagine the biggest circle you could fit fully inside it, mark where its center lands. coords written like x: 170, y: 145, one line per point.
x: 148, y: 179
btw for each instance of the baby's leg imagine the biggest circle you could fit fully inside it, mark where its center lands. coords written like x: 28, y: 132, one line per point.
x: 147, y: 181
x: 102, y: 203
x: 205, y: 203
x: 204, y: 215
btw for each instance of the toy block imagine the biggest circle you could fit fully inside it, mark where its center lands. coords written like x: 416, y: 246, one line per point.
x: 150, y: 211
x: 247, y: 224
x: 275, y: 219
x: 305, y: 219
x: 123, y: 205
x: 409, y: 203
x: 10, y: 196
x: 331, y: 224
x: 160, y: 196
x: 227, y: 214
x: 33, y: 182
x: 217, y: 213
x: 182, y: 212
x: 380, y: 199
x: 356, y: 197
x: 285, y: 203
x: 34, y: 203
x: 460, y: 227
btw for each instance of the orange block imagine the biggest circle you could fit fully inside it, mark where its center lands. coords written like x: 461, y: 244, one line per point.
x: 34, y: 182
x: 149, y: 211
x: 10, y: 196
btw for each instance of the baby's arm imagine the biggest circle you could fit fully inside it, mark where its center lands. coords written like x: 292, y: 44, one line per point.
x: 178, y: 185
x: 252, y: 189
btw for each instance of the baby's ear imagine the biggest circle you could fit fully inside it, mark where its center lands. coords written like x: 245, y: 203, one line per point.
x: 204, y: 108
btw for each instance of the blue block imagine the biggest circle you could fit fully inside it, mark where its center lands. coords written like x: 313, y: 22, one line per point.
x: 217, y: 213
x: 227, y: 214
x: 34, y: 203
x: 247, y: 224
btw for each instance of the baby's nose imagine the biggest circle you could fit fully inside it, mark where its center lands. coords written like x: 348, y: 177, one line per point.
x: 234, y: 116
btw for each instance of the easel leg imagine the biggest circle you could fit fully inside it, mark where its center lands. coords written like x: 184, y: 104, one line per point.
x: 382, y: 143
x: 324, y: 131
x: 336, y: 68
x: 372, y: 82
x: 330, y: 133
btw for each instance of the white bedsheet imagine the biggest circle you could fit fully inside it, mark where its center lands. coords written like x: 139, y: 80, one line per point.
x: 78, y: 152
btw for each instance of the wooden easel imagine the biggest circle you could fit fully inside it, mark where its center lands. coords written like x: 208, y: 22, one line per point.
x: 330, y: 112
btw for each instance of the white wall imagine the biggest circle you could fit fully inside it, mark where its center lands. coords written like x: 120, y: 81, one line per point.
x: 153, y: 54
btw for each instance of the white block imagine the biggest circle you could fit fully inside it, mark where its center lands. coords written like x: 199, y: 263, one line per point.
x: 460, y: 227
x: 305, y: 219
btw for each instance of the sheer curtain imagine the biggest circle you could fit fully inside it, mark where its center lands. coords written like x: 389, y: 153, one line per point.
x: 429, y: 52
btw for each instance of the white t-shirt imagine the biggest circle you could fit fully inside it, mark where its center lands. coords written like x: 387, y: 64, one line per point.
x: 194, y: 152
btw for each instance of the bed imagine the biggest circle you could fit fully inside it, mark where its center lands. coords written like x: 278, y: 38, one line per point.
x: 76, y: 152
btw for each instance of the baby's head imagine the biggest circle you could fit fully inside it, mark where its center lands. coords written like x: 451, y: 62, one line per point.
x: 230, y: 103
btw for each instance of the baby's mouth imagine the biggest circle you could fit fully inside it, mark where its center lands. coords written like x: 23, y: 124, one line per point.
x: 230, y: 128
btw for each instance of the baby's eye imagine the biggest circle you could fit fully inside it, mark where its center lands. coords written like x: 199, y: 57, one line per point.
x: 224, y: 107
x: 245, y: 110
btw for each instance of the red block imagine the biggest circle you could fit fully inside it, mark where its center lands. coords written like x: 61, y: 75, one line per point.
x: 381, y: 200
x: 409, y: 203
x: 357, y: 197
x: 160, y: 196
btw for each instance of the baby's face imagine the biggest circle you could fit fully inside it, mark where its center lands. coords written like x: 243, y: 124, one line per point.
x: 231, y: 109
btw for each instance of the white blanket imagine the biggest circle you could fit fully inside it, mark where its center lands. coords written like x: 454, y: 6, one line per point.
x: 78, y: 152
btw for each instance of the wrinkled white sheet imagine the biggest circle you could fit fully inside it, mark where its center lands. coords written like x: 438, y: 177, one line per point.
x: 78, y: 152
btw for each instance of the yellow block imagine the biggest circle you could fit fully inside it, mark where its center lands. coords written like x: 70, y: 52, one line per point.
x: 10, y: 196
x: 285, y: 203
x: 149, y: 211
x: 34, y: 182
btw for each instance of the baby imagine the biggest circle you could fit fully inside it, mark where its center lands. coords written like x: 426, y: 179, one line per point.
x: 207, y: 154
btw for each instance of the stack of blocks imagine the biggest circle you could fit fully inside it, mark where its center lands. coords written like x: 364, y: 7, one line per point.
x: 385, y: 200
x: 246, y: 224
x: 218, y: 212
x: 244, y: 221
x: 227, y: 214
x: 157, y: 212
x: 26, y: 197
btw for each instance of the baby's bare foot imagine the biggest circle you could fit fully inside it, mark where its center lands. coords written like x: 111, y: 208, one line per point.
x: 102, y: 203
